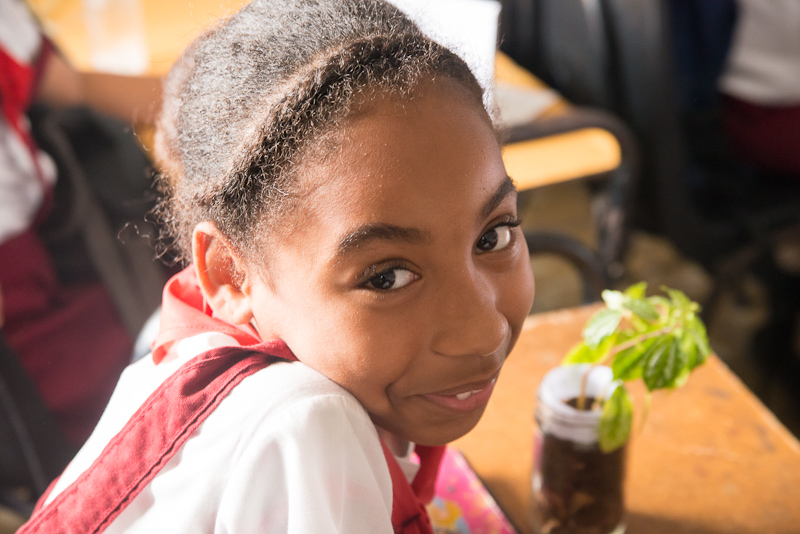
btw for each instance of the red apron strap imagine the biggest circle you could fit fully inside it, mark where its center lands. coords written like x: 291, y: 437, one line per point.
x: 424, y: 484
x: 409, y: 515
x: 17, y: 89
x: 136, y: 454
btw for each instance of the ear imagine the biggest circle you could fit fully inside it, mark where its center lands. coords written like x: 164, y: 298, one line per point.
x: 222, y: 274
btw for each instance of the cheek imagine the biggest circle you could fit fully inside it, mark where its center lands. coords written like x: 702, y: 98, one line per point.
x: 518, y: 293
x: 360, y: 350
x: 379, y: 346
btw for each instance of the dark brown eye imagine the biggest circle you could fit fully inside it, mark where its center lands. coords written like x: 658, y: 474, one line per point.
x: 495, y: 239
x: 394, y: 278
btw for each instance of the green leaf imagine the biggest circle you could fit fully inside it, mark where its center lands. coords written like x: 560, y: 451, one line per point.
x: 636, y: 291
x: 682, y: 377
x: 689, y: 348
x: 616, y: 420
x: 681, y: 302
x: 613, y: 299
x: 600, y: 326
x: 658, y: 300
x: 703, y: 351
x: 664, y: 364
x: 643, y: 309
x: 697, y: 330
x: 629, y: 363
x: 580, y: 353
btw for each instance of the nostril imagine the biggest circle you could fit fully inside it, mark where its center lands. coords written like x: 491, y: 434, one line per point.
x: 474, y: 338
x: 468, y: 319
x: 497, y: 335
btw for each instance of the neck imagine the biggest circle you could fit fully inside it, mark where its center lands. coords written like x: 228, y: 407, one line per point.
x: 397, y: 445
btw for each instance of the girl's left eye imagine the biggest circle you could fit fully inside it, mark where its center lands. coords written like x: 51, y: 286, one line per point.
x: 393, y: 278
x: 496, y: 238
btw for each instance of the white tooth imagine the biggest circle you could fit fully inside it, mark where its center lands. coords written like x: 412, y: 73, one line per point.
x: 462, y: 396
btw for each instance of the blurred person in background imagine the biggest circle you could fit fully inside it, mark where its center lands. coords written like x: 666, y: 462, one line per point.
x: 761, y: 86
x: 68, y: 337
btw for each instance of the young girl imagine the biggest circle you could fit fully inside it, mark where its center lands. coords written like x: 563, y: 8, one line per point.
x: 358, y: 278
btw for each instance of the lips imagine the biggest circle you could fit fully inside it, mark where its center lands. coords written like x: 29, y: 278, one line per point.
x: 464, y: 398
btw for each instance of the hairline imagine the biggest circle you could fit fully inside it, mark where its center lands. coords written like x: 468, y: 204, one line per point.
x: 362, y: 104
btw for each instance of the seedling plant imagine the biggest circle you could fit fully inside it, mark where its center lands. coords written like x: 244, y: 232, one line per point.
x: 658, y: 339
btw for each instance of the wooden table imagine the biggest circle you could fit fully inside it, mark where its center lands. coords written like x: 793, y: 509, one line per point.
x: 168, y: 25
x: 710, y: 458
x: 555, y: 158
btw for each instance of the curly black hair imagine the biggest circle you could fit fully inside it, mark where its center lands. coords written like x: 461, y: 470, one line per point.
x: 248, y: 99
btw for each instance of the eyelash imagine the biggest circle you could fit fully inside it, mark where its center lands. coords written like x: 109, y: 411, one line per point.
x: 374, y: 270
x: 511, y: 222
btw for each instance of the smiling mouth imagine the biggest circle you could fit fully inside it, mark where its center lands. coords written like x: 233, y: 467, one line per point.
x: 463, y: 401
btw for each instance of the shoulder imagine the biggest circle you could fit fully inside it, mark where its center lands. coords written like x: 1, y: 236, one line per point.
x: 287, y: 406
x: 291, y: 406
x: 287, y: 450
x: 292, y: 386
x: 307, y: 441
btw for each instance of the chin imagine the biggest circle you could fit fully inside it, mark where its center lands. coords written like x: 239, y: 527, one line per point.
x: 444, y: 433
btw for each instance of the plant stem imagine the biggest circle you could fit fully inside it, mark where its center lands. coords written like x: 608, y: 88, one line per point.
x: 601, y: 397
x: 633, y: 342
x: 581, y: 404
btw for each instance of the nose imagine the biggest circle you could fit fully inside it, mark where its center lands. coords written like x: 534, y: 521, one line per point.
x: 469, y: 319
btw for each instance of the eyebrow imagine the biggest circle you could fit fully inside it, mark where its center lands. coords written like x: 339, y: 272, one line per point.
x: 507, y: 188
x: 371, y: 232
x: 368, y: 233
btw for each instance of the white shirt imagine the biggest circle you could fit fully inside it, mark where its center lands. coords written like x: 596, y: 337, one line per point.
x: 21, y: 190
x: 763, y: 64
x: 286, y: 451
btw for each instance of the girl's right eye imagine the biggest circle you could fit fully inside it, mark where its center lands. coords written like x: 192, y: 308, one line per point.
x: 392, y: 278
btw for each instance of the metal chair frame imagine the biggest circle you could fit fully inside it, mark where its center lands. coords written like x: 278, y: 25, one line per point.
x: 613, y: 193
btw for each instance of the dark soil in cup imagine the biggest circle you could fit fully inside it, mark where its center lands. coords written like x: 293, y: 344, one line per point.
x: 581, y: 487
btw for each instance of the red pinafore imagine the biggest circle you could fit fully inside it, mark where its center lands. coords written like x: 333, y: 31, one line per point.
x: 179, y: 406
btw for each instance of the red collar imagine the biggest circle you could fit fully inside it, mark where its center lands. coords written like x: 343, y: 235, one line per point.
x: 185, y: 313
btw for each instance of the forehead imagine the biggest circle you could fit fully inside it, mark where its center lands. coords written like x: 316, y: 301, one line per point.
x: 401, y: 160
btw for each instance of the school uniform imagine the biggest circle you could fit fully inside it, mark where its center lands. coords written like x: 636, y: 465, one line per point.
x: 218, y: 431
x: 69, y: 338
x: 761, y: 86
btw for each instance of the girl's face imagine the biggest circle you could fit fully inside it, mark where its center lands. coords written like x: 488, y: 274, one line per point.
x: 403, y: 276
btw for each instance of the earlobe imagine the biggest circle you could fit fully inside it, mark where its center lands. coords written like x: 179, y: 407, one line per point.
x: 221, y: 273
